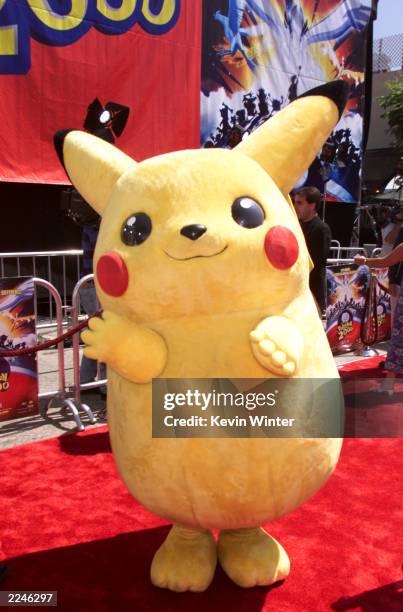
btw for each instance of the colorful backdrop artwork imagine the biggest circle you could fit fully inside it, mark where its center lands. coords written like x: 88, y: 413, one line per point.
x: 57, y: 56
x: 346, y: 293
x: 259, y: 55
x: 18, y: 375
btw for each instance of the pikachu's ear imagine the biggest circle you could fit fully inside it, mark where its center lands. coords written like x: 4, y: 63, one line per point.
x: 286, y: 144
x: 92, y: 165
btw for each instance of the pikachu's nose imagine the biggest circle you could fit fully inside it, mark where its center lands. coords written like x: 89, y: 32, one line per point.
x: 193, y: 232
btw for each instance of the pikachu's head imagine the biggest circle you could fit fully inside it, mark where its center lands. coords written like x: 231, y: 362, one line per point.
x: 203, y: 231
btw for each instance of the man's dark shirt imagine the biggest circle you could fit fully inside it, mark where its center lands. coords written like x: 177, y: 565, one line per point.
x: 317, y: 236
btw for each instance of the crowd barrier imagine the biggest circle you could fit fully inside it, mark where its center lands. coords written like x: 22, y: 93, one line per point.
x: 63, y: 393
x: 60, y: 268
x: 57, y: 304
x: 340, y: 252
x: 53, y: 293
x: 76, y: 342
x: 335, y: 247
x: 69, y: 397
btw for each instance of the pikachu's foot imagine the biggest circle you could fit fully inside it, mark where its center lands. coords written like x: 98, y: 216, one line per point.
x: 277, y: 344
x: 251, y: 557
x: 186, y: 561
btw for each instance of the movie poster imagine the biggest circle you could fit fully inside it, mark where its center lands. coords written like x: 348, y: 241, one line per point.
x: 346, y: 293
x: 18, y: 375
x: 259, y: 55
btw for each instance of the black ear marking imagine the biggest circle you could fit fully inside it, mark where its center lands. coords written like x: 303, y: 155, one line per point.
x: 337, y: 91
x: 58, y: 140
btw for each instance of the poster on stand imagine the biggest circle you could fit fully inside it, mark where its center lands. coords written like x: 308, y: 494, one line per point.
x: 259, y: 55
x: 346, y: 293
x: 19, y: 374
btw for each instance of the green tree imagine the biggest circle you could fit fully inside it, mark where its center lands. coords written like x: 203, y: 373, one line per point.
x: 392, y: 104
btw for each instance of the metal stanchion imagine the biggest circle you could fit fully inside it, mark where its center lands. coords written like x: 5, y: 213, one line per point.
x: 40, y: 282
x: 61, y: 393
x: 67, y: 318
x: 76, y: 351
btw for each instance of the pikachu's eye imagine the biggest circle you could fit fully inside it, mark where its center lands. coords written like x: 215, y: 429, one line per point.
x: 247, y: 212
x: 136, y: 229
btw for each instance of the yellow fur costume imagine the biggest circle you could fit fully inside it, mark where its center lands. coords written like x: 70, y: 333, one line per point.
x: 202, y: 272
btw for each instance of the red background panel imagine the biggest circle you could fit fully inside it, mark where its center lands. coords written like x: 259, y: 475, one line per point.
x: 157, y: 76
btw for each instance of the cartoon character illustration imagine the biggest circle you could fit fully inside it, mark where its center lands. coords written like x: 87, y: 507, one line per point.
x: 359, y: 282
x: 340, y: 23
x: 294, y: 16
x: 337, y: 26
x: 203, y: 272
x: 292, y: 44
x: 233, y: 31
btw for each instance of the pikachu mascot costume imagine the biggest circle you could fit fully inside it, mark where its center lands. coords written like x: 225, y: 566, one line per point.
x: 202, y: 272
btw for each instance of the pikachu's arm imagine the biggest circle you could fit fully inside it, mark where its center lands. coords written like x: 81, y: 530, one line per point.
x: 133, y: 351
x: 278, y: 344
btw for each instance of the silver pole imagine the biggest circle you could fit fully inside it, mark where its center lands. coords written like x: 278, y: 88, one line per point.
x: 75, y: 303
x: 59, y: 322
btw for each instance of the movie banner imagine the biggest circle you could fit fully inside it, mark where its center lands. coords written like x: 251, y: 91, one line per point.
x: 259, y: 55
x: 346, y: 293
x: 19, y: 374
x: 58, y: 56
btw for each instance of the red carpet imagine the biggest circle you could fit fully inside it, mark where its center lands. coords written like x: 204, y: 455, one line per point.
x: 68, y: 524
x: 371, y: 367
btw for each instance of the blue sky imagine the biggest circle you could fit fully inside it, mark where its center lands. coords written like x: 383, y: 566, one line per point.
x: 390, y: 18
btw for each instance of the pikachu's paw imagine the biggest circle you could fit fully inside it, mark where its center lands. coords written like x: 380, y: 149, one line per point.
x: 100, y: 337
x: 277, y: 345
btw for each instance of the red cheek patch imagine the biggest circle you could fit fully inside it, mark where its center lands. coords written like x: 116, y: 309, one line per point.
x: 281, y: 247
x: 112, y: 274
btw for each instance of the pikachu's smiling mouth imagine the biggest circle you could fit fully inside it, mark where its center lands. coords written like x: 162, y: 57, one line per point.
x: 196, y: 256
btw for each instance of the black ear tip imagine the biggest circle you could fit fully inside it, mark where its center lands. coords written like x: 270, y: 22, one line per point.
x: 58, y: 140
x: 337, y: 91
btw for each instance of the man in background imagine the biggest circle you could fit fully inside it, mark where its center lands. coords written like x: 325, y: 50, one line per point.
x: 317, y: 236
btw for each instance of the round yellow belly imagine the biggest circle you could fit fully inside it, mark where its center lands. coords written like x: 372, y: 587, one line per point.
x: 212, y: 483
